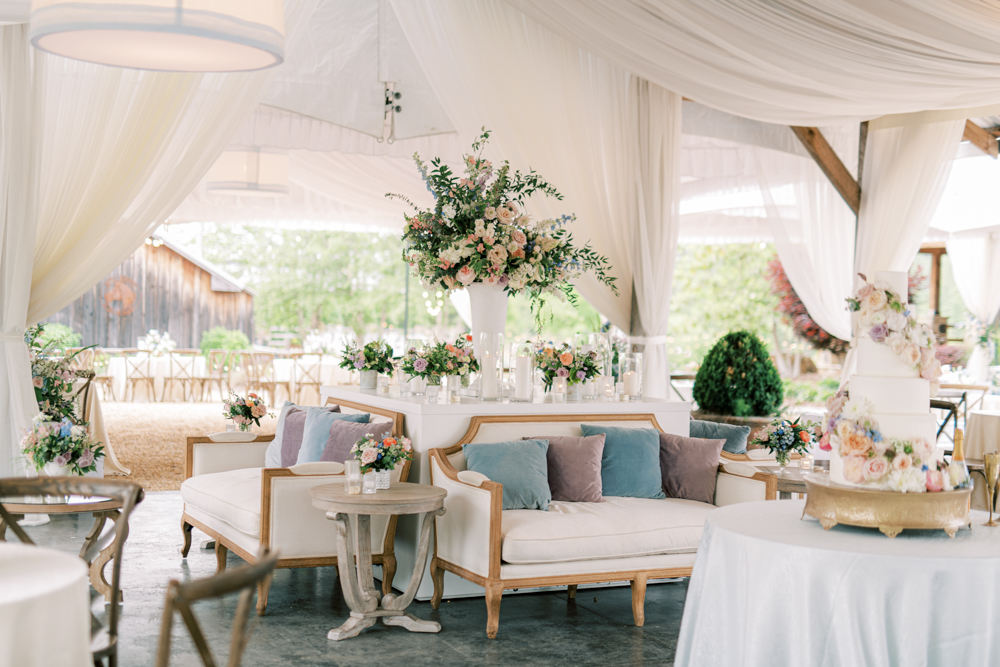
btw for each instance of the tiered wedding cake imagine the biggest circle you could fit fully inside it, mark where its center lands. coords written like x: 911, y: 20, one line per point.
x: 880, y: 430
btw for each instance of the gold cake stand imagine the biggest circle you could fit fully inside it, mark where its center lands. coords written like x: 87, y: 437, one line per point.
x: 889, y: 511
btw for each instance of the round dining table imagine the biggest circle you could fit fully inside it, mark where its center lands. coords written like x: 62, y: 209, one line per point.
x: 44, y: 608
x: 774, y: 589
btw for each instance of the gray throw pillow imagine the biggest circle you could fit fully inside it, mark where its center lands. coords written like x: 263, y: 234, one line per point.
x: 630, y: 463
x: 574, y: 467
x: 519, y: 465
x: 272, y: 457
x: 735, y: 436
x: 344, y: 434
x: 689, y: 467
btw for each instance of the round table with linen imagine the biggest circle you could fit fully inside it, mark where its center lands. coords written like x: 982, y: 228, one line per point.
x: 44, y: 608
x: 772, y: 589
x: 982, y: 433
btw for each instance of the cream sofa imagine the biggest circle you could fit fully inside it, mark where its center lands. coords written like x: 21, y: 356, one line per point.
x: 621, y: 539
x: 243, y: 506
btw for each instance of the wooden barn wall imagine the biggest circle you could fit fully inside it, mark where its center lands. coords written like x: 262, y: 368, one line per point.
x: 171, y: 294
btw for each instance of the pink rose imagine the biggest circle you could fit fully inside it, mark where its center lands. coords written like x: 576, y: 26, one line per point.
x: 518, y: 237
x: 902, y: 462
x: 497, y: 255
x: 369, y: 455
x: 854, y: 469
x: 876, y: 467
x: 926, y: 357
x: 931, y: 371
x: 406, y: 444
x: 504, y: 214
x: 935, y: 480
x: 513, y: 207
x: 466, y: 275
x: 824, y: 442
x: 865, y: 291
x: 39, y: 382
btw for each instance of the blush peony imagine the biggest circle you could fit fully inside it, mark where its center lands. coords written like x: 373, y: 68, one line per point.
x: 876, y: 468
x: 466, y: 275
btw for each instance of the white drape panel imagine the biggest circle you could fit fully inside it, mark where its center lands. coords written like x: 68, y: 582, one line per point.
x: 975, y: 265
x: 577, y: 120
x: 799, y: 63
x: 20, y: 140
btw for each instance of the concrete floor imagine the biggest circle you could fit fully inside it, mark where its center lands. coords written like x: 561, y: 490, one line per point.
x: 304, y: 604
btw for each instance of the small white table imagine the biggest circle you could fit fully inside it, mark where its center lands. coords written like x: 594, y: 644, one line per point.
x: 44, y: 608
x: 770, y: 589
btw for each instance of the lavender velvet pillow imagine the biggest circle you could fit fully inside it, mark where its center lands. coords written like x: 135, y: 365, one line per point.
x: 292, y: 430
x: 344, y: 434
x: 574, y: 467
x: 689, y: 466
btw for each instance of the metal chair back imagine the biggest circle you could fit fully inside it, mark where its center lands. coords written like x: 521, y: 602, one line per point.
x: 181, y: 595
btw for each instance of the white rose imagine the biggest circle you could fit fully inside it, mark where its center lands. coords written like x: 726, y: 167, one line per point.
x: 878, y: 317
x: 910, y: 355
x: 896, y: 341
x: 876, y: 300
x: 896, y: 321
x: 865, y: 318
x: 915, y: 336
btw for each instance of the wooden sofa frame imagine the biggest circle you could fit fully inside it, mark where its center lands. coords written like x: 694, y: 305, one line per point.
x: 387, y: 559
x: 493, y: 584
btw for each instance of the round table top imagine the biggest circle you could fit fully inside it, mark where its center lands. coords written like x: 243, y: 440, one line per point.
x: 781, y: 523
x: 27, y: 571
x: 49, y: 504
x: 399, y: 498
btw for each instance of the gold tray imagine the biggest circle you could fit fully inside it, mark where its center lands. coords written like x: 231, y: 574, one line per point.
x: 889, y: 511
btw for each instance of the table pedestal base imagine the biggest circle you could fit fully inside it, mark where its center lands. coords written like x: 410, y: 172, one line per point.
x: 360, y: 621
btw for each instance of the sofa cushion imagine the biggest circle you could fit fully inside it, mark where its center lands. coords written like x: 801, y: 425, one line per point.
x: 272, y: 457
x: 344, y: 434
x: 616, y: 528
x: 630, y: 464
x: 232, y: 496
x: 519, y: 465
x: 574, y: 465
x: 689, y: 466
x: 291, y: 432
x: 735, y: 436
x: 316, y: 431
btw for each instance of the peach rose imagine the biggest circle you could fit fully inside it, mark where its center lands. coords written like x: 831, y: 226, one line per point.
x: 865, y: 291
x: 566, y: 358
x: 876, y: 467
x: 902, y: 462
x: 910, y: 355
x: 513, y: 207
x: 497, y: 255
x: 518, y: 237
x: 876, y: 300
x: 504, y: 214
x: 855, y: 444
x: 466, y: 275
x: 854, y: 469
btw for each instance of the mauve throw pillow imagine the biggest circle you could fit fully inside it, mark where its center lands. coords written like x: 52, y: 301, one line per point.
x: 272, y: 457
x: 574, y: 464
x: 689, y: 467
x: 344, y: 434
x: 292, y: 430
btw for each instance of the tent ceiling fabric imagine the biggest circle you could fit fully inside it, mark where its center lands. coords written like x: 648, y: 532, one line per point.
x: 803, y: 63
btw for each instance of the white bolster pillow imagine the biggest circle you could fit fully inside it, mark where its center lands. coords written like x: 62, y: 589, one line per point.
x: 739, y: 468
x: 472, y: 478
x: 318, y: 468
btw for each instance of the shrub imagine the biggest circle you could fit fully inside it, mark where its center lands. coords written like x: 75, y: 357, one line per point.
x: 738, y: 378
x: 221, y: 338
x: 59, y: 336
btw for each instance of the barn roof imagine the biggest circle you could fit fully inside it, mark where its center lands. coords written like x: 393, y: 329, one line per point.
x: 222, y: 281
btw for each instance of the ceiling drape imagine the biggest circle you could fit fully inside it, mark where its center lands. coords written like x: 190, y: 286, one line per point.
x: 975, y: 265
x: 795, y: 63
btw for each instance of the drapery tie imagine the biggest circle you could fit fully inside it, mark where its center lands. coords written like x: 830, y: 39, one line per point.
x: 11, y: 337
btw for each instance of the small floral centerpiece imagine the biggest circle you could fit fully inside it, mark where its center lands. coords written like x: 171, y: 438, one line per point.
x: 478, y: 231
x: 415, y: 362
x: 562, y: 363
x: 245, y: 412
x: 158, y: 344
x: 62, y: 444
x: 782, y: 437
x: 381, y: 456
x: 463, y: 359
x: 372, y: 360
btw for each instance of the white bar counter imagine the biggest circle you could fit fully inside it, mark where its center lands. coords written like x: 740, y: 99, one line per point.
x: 442, y: 424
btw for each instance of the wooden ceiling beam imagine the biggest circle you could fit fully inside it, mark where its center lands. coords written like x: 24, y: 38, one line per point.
x: 821, y: 151
x: 981, y: 139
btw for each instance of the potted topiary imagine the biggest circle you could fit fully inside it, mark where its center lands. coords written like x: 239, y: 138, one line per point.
x: 737, y: 383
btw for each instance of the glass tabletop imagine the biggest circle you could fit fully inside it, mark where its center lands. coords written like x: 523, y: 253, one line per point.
x: 53, y: 500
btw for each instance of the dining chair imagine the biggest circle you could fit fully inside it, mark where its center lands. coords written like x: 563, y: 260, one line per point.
x: 101, y: 363
x: 263, y: 376
x: 950, y: 411
x: 181, y: 595
x: 181, y: 371
x: 103, y: 640
x: 218, y: 369
x: 138, y: 370
x: 308, y: 372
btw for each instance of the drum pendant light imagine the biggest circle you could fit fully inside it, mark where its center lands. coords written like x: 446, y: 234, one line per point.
x: 163, y: 35
x: 249, y: 171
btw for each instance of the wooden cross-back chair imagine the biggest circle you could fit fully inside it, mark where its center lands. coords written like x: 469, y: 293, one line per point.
x: 103, y: 640
x: 218, y: 368
x: 181, y: 371
x: 263, y: 376
x: 138, y: 370
x: 101, y: 376
x: 308, y: 373
x: 180, y: 596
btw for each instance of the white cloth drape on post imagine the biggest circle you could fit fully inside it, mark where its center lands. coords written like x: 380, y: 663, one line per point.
x: 975, y: 265
x: 624, y: 191
x: 20, y: 140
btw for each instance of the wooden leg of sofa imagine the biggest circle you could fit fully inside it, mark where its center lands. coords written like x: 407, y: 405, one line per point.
x: 571, y: 591
x: 639, y: 599
x: 221, y: 551
x: 493, y: 593
x: 388, y: 573
x: 437, y: 576
x: 263, y: 588
x: 186, y: 529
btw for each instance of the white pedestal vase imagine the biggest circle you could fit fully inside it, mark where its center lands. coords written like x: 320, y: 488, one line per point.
x: 489, y: 311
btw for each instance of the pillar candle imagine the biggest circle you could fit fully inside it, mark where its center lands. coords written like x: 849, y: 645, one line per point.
x: 522, y: 378
x: 632, y: 383
x: 490, y: 381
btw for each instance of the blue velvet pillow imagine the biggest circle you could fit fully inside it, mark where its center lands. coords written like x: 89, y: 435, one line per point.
x: 630, y: 465
x: 735, y: 436
x: 519, y: 465
x: 272, y: 457
x: 316, y: 432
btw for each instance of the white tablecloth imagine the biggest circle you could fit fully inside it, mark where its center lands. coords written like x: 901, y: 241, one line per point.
x: 982, y: 433
x: 159, y: 370
x: 770, y: 589
x: 330, y: 373
x: 44, y: 608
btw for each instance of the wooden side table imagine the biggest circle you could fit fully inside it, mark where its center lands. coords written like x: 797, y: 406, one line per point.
x: 351, y: 515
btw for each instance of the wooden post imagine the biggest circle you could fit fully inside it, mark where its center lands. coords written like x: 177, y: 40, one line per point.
x: 821, y: 151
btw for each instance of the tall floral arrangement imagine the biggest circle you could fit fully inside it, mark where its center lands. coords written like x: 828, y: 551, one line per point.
x: 374, y: 356
x: 479, y: 231
x: 51, y: 376
x: 561, y: 362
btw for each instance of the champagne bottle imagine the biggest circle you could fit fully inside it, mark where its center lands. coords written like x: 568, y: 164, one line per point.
x: 957, y: 469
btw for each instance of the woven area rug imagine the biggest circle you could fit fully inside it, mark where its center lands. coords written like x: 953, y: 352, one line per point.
x: 150, y: 438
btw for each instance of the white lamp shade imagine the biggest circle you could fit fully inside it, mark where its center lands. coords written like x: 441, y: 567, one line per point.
x: 249, y: 171
x: 164, y: 35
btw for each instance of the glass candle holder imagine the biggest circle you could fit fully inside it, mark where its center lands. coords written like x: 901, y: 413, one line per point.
x: 491, y: 366
x: 455, y: 388
x: 559, y: 388
x: 368, y: 483
x: 806, y: 463
x: 431, y: 390
x: 382, y: 386
x: 630, y: 375
x: 522, y: 372
x: 352, y: 474
x: 403, y: 381
x: 606, y: 388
